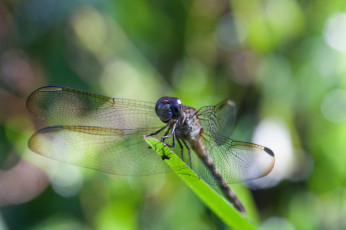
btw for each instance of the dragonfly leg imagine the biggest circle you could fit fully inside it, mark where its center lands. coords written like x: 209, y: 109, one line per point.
x: 163, y: 138
x: 181, y: 147
x: 158, y: 131
x: 167, y: 131
x: 189, y: 150
x: 165, y: 157
x: 173, y: 141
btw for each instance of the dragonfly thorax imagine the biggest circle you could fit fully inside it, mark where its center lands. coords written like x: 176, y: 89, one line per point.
x: 168, y: 108
x: 191, y: 127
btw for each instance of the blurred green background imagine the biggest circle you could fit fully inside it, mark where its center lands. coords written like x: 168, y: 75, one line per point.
x: 282, y: 61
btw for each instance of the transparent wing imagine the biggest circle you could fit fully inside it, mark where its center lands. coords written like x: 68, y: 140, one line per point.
x: 122, y: 152
x: 95, y: 131
x: 66, y: 106
x: 236, y: 161
x: 218, y: 120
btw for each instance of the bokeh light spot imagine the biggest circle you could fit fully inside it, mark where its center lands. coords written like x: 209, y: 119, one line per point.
x: 335, y: 32
x: 274, y: 134
x: 90, y: 28
x: 67, y: 181
x: 190, y: 76
x: 333, y: 106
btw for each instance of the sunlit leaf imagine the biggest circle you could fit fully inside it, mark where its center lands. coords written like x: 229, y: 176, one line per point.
x: 220, y: 206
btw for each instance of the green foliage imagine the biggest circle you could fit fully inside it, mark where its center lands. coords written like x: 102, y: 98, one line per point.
x: 281, y: 61
x: 219, y: 205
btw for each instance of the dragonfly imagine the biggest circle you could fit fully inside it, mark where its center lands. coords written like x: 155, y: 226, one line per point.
x: 107, y: 134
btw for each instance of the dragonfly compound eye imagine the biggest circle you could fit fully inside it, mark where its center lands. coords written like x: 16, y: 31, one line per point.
x: 168, y: 108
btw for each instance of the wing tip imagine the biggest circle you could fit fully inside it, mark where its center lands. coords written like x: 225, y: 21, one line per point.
x: 33, y: 142
x: 44, y: 130
x: 32, y: 145
x: 49, y: 88
x: 269, y: 151
x: 50, y: 128
x: 30, y: 98
x: 228, y: 102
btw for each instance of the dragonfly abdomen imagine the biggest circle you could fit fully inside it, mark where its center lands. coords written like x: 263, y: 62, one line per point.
x: 201, y: 151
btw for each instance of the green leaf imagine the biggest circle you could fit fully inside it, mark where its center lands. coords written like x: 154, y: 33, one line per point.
x: 219, y: 205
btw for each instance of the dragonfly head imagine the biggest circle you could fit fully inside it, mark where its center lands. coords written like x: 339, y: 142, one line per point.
x: 168, y: 108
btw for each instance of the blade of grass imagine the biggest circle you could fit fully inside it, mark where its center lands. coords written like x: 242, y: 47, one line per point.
x: 219, y: 205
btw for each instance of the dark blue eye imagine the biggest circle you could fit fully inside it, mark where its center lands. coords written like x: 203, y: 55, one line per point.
x: 168, y: 108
